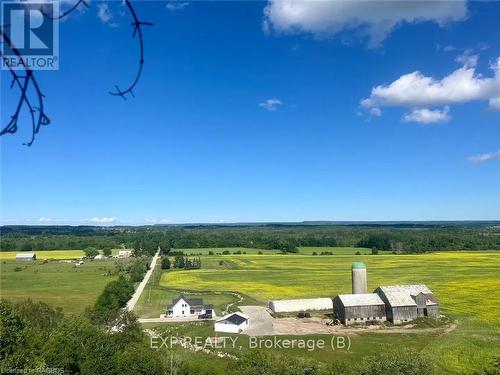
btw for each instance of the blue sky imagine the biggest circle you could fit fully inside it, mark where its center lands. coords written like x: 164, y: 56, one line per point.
x: 257, y: 111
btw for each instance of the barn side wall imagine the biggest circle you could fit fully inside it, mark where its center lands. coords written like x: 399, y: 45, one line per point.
x: 433, y: 311
x: 402, y: 314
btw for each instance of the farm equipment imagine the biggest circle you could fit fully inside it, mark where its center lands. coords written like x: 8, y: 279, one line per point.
x: 333, y: 322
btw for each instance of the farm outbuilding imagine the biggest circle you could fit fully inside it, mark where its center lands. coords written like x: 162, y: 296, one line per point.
x: 232, y: 323
x: 407, y: 302
x: 359, y: 308
x: 296, y: 305
x: 26, y: 256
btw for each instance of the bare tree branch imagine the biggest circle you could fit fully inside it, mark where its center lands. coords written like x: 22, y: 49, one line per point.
x: 28, y: 80
x: 67, y: 12
x: 137, y: 31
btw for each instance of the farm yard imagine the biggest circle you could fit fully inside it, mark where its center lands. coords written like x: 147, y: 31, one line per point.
x: 466, y: 284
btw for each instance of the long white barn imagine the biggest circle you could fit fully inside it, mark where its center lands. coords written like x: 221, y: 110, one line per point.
x: 294, y: 305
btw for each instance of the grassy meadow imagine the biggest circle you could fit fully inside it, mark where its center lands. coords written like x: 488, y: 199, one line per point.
x: 467, y: 285
x: 55, y: 283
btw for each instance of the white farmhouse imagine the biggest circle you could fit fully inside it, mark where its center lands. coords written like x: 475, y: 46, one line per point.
x: 124, y: 253
x: 26, y: 256
x: 189, y: 308
x: 232, y: 323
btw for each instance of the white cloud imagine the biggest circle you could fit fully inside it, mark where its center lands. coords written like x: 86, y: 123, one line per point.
x: 104, y: 13
x: 376, y: 112
x: 416, y: 90
x: 373, y: 19
x: 103, y: 219
x: 45, y: 219
x: 175, y: 5
x: 484, y: 157
x: 271, y: 104
x: 428, y: 116
x: 467, y: 59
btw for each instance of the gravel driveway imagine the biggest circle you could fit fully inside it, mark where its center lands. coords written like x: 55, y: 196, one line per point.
x: 261, y: 322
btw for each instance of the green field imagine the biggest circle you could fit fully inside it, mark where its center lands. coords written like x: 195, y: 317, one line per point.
x: 467, y: 285
x: 49, y: 254
x: 155, y: 297
x: 55, y: 283
x: 215, y: 250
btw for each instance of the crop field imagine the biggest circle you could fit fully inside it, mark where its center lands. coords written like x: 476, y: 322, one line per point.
x: 48, y: 254
x: 467, y: 285
x: 55, y: 283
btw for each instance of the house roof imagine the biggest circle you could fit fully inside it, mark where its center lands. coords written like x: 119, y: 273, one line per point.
x: 368, y: 299
x: 234, y: 318
x: 192, y: 302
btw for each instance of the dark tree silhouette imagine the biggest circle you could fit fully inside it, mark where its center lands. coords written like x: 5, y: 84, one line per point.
x: 29, y: 88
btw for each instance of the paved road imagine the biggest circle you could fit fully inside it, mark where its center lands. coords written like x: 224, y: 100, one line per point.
x: 131, y: 303
x: 172, y: 320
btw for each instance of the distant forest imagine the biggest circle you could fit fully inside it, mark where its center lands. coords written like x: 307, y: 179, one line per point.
x: 414, y: 238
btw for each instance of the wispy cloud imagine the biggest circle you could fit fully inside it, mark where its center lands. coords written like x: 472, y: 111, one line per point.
x: 103, y: 219
x: 271, y: 104
x: 428, y: 116
x: 176, y: 5
x: 103, y: 13
x: 45, y: 219
x: 481, y: 158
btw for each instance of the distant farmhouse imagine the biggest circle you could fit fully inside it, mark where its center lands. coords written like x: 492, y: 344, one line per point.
x: 395, y: 303
x: 26, y: 256
x: 124, y: 253
x: 182, y: 307
x: 232, y: 323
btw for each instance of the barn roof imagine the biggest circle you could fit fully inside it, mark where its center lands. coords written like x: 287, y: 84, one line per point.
x: 401, y: 295
x: 412, y: 290
x: 368, y: 299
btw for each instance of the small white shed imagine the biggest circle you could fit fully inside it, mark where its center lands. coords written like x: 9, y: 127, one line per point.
x: 26, y: 256
x: 232, y: 323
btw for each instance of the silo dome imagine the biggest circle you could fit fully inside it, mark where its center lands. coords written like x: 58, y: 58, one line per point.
x: 358, y: 265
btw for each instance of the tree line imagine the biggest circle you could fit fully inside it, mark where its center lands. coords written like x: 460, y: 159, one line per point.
x: 146, y: 240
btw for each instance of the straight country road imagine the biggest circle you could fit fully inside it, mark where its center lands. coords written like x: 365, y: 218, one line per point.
x: 131, y: 303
